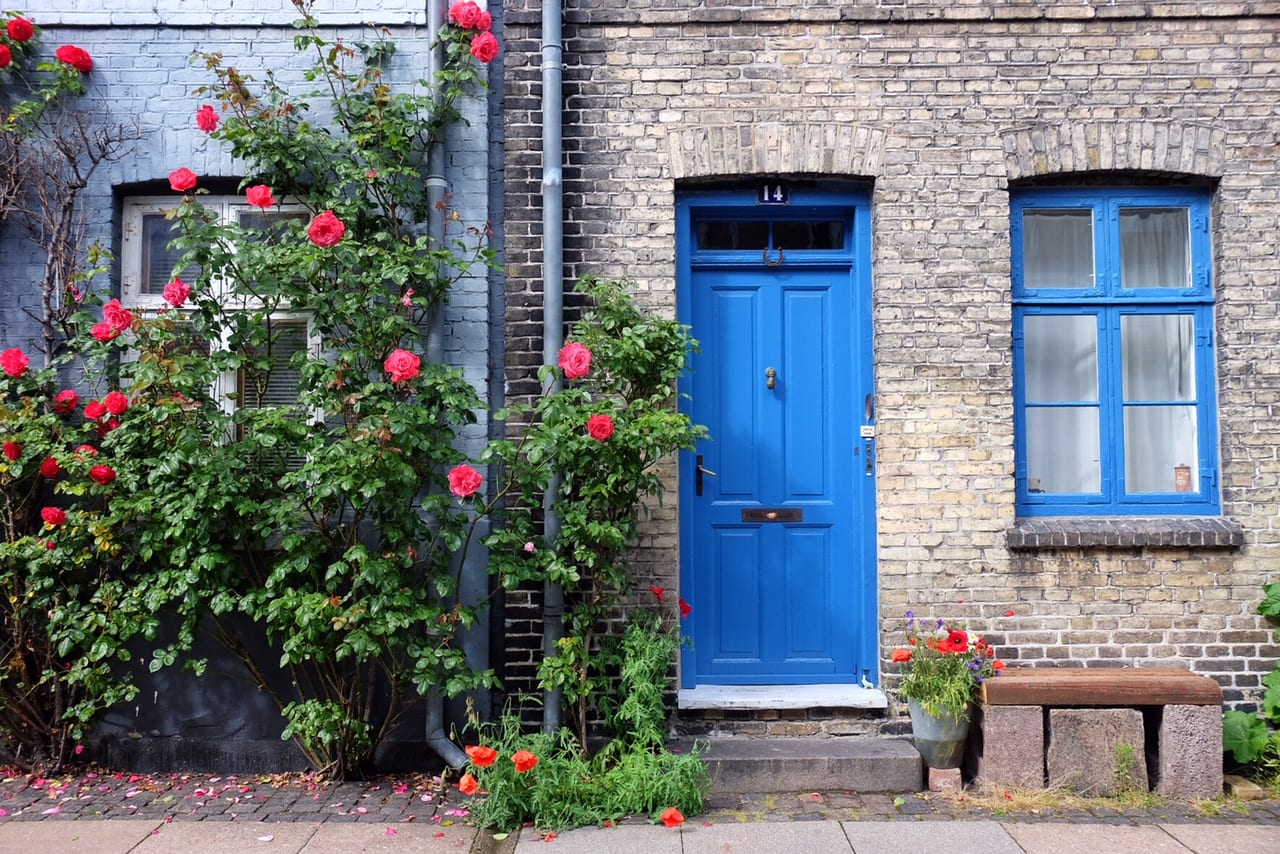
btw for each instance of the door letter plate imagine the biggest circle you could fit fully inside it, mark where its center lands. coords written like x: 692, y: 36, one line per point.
x: 774, y: 514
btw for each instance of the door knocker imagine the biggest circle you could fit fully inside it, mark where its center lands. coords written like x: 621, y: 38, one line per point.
x: 770, y: 378
x: 767, y: 262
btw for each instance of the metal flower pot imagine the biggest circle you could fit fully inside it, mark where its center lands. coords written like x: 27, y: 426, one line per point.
x: 940, y: 739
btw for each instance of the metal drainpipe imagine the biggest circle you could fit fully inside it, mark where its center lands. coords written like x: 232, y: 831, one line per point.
x: 552, y: 310
x: 436, y: 738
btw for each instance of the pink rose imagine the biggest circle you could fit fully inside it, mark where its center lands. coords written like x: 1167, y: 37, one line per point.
x: 402, y: 365
x: 102, y: 474
x: 259, y: 195
x: 14, y: 362
x: 465, y: 14
x: 326, y: 230
x: 12, y: 450
x: 94, y: 409
x: 575, y: 360
x: 65, y: 402
x: 600, y: 427
x: 20, y: 29
x: 529, y: 548
x: 117, y: 315
x: 104, y: 332
x: 78, y: 58
x: 181, y: 180
x: 50, y: 468
x: 6, y: 56
x: 484, y: 47
x: 464, y: 480
x: 117, y: 403
x: 207, y: 118
x: 53, y: 515
x: 176, y: 292
x: 485, y: 21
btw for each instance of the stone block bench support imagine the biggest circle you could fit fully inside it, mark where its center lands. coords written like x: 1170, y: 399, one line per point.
x: 1017, y: 728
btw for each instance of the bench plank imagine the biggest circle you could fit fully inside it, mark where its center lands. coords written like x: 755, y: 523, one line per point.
x: 1137, y: 686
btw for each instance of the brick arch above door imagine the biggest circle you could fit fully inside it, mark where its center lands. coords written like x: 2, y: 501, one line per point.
x: 803, y: 148
x: 1174, y: 147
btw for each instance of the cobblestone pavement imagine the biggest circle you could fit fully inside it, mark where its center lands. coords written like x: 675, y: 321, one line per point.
x: 100, y: 793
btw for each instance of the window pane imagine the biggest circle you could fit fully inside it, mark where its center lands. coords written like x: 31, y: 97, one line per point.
x: 1158, y: 356
x: 273, y: 222
x: 158, y: 259
x: 1061, y: 353
x: 749, y: 234
x: 1063, y: 450
x: 1160, y: 449
x: 808, y: 235
x: 1155, y: 248
x: 276, y: 383
x: 1057, y: 248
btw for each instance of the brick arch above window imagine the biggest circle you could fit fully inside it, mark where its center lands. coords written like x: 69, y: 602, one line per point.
x: 802, y: 148
x: 1173, y: 147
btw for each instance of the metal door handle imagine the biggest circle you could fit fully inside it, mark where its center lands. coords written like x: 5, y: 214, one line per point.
x: 698, y: 471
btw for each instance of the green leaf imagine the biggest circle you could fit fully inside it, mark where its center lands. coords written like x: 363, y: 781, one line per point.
x: 1244, y: 736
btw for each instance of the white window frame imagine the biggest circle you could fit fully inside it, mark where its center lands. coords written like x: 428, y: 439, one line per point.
x: 227, y: 208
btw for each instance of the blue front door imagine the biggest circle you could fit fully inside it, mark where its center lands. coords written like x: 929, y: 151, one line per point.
x: 777, y: 520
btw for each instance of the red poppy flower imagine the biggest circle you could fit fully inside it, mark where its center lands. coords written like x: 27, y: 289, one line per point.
x: 997, y: 665
x: 672, y: 817
x: 957, y: 641
x: 657, y: 591
x: 468, y: 785
x: 481, y: 756
x: 524, y: 761
x: 685, y: 609
x: 1009, y: 613
x: 901, y: 655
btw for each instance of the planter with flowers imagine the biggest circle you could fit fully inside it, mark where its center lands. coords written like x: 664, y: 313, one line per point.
x: 942, y: 667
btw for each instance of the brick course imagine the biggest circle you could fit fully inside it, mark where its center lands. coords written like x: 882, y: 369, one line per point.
x: 944, y: 106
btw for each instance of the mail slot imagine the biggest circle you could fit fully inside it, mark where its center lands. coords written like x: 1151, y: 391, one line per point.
x: 774, y: 514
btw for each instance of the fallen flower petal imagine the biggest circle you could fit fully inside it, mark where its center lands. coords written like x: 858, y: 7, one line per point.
x: 672, y: 817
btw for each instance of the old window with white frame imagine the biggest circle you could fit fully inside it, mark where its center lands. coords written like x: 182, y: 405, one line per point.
x: 149, y: 263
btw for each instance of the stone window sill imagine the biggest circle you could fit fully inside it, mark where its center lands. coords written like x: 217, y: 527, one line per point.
x: 1065, y: 532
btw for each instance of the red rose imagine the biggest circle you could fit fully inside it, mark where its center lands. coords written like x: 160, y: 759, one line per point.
x: 481, y: 756
x: 464, y: 480
x: 14, y: 362
x: 12, y: 450
x: 20, y: 29
x: 102, y: 474
x: 50, y: 468
x: 83, y: 451
x: 78, y: 58
x: 672, y: 817
x: 468, y: 785
x: 600, y: 427
x: 53, y: 515
x: 176, y: 292
x: 259, y: 195
x: 65, y: 402
x: 465, y: 14
x: 575, y: 360
x: 524, y: 761
x: 117, y: 315
x: 207, y: 119
x: 326, y: 230
x: 6, y: 56
x: 104, y: 332
x: 117, y: 403
x: 94, y: 409
x: 484, y: 47
x: 107, y: 426
x: 402, y: 365
x: 181, y: 180
x: 485, y: 21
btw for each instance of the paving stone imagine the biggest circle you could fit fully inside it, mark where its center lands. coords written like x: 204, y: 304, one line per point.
x: 1089, y: 748
x: 976, y: 837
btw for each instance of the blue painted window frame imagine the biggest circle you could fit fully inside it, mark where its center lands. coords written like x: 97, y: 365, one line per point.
x: 1108, y: 302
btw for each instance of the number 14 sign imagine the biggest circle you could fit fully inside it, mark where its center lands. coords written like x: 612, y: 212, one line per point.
x: 773, y: 194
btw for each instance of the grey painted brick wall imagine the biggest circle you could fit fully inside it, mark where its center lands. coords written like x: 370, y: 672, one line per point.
x: 943, y: 105
x: 143, y: 77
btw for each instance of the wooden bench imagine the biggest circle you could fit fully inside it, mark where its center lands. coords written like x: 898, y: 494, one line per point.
x: 1099, y: 730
